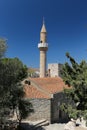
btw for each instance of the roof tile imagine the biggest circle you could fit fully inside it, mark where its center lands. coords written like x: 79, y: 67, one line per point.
x: 32, y: 92
x: 50, y: 85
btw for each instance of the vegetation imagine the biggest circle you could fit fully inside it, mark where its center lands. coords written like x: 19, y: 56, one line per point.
x: 3, y: 47
x: 75, y: 75
x: 12, y: 73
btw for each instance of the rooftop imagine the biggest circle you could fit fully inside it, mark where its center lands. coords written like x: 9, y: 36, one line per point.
x: 44, y: 87
x: 32, y: 92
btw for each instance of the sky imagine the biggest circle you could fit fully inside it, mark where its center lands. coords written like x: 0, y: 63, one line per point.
x: 66, y: 24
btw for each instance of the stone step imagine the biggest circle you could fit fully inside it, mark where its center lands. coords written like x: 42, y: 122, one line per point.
x: 40, y: 124
x: 35, y: 125
x: 45, y: 123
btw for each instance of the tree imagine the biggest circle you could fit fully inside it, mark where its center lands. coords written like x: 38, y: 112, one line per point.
x: 11, y: 89
x: 3, y: 47
x: 75, y: 75
x: 12, y: 72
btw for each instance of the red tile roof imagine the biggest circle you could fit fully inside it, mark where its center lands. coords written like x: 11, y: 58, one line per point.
x: 32, y: 92
x: 44, y: 86
x: 52, y: 85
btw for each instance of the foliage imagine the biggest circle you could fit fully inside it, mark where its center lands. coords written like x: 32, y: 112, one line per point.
x: 75, y: 75
x: 3, y: 47
x: 12, y: 72
x: 25, y: 108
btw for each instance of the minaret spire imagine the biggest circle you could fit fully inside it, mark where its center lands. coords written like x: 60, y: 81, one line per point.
x: 43, y: 33
x: 43, y: 20
x: 43, y: 47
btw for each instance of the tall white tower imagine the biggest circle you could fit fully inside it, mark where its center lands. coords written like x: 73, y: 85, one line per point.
x: 43, y: 47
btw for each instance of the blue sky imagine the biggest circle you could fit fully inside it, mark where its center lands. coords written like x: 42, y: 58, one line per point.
x: 66, y: 24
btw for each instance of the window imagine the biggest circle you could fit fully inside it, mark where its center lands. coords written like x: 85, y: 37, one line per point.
x: 27, y: 82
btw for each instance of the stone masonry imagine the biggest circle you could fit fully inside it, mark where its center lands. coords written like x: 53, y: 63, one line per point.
x: 41, y: 109
x: 48, y: 109
x: 46, y: 96
x: 54, y: 70
x: 57, y: 115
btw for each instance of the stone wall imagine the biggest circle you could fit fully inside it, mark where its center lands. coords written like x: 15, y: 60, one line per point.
x: 41, y: 109
x: 54, y: 70
x: 57, y: 115
x: 49, y: 109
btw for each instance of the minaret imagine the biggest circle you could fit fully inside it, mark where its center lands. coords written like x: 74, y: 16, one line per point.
x: 43, y: 47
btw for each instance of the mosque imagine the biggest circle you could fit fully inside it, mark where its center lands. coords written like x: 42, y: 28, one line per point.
x: 46, y: 92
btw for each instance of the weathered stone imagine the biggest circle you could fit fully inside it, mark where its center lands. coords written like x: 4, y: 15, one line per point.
x: 54, y: 70
x: 41, y: 109
x: 70, y: 125
x: 48, y: 109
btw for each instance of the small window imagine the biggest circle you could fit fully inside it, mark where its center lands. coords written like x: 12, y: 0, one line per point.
x: 27, y: 82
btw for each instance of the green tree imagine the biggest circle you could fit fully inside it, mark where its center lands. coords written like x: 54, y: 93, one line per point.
x: 12, y: 72
x: 75, y: 75
x: 3, y: 47
x: 12, y: 92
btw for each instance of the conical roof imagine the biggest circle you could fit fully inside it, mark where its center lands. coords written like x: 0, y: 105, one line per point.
x: 43, y: 29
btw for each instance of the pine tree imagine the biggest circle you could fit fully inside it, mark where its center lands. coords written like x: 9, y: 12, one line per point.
x: 75, y: 75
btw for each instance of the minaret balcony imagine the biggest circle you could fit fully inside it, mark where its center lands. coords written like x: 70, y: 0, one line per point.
x: 42, y: 45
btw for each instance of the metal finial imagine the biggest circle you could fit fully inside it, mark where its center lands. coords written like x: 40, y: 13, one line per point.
x: 43, y: 20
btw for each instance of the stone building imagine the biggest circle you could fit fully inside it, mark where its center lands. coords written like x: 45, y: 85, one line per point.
x: 46, y: 93
x: 46, y: 96
x: 54, y: 70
